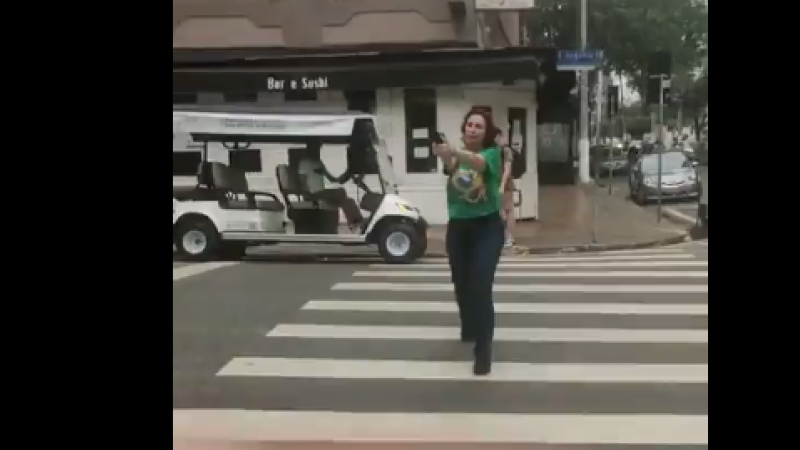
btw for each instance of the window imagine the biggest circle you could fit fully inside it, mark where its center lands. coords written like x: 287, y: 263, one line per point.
x: 420, y: 112
x: 185, y: 164
x: 240, y: 97
x: 184, y: 98
x: 300, y: 95
x: 246, y: 160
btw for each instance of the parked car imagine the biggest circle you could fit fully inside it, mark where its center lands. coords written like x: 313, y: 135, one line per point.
x: 645, y: 148
x: 606, y: 161
x: 679, y: 178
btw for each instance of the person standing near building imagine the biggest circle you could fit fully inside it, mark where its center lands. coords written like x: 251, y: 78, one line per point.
x: 507, y: 190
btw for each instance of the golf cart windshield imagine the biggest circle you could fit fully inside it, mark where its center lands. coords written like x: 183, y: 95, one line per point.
x: 366, y: 154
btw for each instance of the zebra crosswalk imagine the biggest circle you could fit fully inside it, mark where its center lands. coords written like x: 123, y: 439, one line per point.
x: 593, y: 350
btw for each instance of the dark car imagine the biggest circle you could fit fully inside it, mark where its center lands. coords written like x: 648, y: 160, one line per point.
x: 678, y: 177
x: 645, y: 148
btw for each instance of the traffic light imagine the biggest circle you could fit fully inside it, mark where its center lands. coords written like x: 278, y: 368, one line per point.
x: 613, y: 100
x: 659, y: 64
x: 654, y: 86
x: 667, y: 93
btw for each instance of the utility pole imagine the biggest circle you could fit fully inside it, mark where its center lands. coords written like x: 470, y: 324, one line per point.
x: 598, y: 104
x: 661, y: 141
x: 583, y: 117
x: 659, y: 73
x: 622, y: 105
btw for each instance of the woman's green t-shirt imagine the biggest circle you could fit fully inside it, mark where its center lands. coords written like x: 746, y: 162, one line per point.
x: 474, y: 194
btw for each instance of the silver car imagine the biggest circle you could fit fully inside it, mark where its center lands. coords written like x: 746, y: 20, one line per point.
x: 678, y: 178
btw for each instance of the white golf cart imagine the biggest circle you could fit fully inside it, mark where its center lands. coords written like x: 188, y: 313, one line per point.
x: 221, y: 216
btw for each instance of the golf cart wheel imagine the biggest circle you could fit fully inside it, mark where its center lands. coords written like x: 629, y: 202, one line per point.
x: 400, y: 243
x: 232, y: 251
x: 196, y: 239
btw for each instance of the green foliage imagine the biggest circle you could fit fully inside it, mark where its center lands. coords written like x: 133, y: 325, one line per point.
x: 627, y: 30
x: 696, y: 92
x: 637, y: 126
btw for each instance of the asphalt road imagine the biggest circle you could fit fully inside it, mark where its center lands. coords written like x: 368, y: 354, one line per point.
x: 594, y: 351
x: 698, y: 248
x: 219, y: 311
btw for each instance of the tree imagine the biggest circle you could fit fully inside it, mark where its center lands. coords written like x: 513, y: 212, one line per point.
x: 695, y: 101
x: 627, y: 31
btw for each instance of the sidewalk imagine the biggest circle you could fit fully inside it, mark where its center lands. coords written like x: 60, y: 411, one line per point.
x: 245, y: 445
x: 576, y: 218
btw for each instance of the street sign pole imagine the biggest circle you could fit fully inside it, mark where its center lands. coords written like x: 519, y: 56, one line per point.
x: 660, y: 140
x: 583, y: 61
x: 659, y: 65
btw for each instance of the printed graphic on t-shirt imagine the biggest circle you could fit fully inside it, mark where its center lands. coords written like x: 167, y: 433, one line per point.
x: 468, y: 185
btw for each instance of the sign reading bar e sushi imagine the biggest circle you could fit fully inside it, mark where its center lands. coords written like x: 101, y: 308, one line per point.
x: 297, y: 84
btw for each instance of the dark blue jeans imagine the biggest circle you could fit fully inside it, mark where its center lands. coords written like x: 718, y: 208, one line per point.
x: 474, y: 247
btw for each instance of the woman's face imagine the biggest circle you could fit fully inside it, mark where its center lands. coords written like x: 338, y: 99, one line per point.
x: 474, y: 129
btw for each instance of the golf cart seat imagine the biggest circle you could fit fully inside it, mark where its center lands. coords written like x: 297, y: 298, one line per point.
x: 289, y: 185
x: 233, y: 184
x: 204, y: 176
x: 309, y: 217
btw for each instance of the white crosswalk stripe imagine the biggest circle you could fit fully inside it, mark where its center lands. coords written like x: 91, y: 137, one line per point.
x: 506, y: 274
x: 590, y: 349
x: 531, y: 288
x: 192, y: 270
x: 557, y: 264
x: 516, y: 308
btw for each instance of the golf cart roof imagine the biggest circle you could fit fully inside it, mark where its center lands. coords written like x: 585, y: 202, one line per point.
x: 258, y: 121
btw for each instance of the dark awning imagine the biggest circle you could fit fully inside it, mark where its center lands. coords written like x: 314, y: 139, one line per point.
x: 427, y: 68
x: 221, y: 55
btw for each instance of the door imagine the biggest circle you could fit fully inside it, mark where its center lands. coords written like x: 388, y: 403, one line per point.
x: 514, y: 112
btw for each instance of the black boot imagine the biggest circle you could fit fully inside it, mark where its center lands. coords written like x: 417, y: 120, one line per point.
x: 483, y: 359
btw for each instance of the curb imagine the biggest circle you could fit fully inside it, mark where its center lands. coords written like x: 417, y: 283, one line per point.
x: 349, y: 258
x: 518, y: 251
x: 678, y: 217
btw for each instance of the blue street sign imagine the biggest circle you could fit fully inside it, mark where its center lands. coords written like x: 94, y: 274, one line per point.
x: 579, y: 59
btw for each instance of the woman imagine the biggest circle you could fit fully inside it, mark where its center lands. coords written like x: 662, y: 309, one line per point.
x: 507, y: 191
x: 475, y: 229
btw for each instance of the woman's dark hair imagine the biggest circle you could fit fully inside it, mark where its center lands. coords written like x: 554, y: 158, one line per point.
x: 491, y: 128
